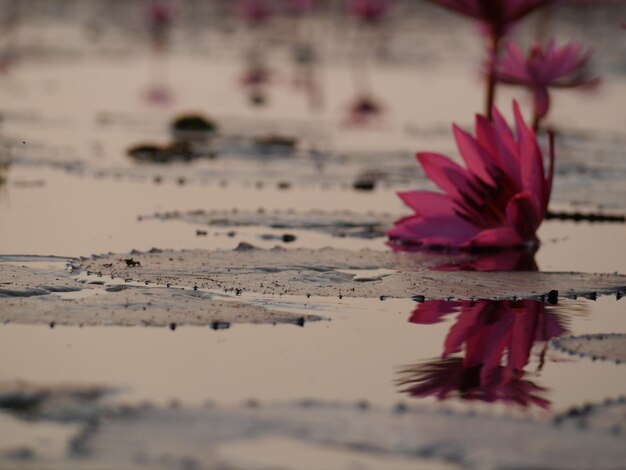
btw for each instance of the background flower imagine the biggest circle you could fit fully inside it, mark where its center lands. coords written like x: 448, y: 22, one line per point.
x: 545, y: 67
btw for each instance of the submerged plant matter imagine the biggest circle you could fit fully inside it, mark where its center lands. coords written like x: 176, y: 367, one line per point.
x: 497, y: 201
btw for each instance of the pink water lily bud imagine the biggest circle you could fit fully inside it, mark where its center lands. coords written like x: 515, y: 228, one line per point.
x: 545, y: 67
x: 497, y: 201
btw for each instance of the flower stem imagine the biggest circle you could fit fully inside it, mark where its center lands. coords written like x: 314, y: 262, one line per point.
x: 492, y: 60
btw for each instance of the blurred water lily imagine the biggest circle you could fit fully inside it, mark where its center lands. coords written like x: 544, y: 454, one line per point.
x: 299, y: 6
x: 497, y: 201
x: 369, y: 11
x: 363, y: 111
x: 496, y: 16
x: 544, y: 67
x: 255, y: 12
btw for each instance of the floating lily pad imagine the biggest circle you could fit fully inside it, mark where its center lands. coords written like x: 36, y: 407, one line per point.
x: 605, y: 347
x: 336, y: 223
x: 609, y: 417
x: 62, y: 402
x: 171, y: 437
x: 334, y: 272
x: 32, y: 296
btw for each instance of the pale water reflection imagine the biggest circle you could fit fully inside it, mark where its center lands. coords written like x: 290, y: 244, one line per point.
x: 356, y: 356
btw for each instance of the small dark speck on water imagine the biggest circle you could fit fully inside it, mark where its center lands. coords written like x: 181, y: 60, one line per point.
x: 552, y: 297
x: 364, y: 185
x: 220, y: 325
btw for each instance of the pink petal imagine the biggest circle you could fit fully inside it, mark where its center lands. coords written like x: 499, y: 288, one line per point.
x: 523, y: 215
x: 500, y: 237
x: 428, y: 203
x: 475, y: 156
x: 446, y: 230
x: 433, y: 311
x: 453, y: 179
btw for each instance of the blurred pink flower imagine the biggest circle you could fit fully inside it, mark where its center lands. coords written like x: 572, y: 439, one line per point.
x: 369, y: 11
x: 496, y: 338
x: 160, y: 18
x: 159, y: 95
x: 497, y: 16
x: 498, y: 201
x: 551, y: 66
x: 299, y: 6
x: 363, y: 111
x: 256, y: 76
x: 161, y: 14
x: 255, y: 12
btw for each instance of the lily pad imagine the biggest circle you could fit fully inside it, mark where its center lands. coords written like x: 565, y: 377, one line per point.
x: 336, y: 223
x: 335, y: 272
x: 31, y: 296
x: 605, y: 347
x: 171, y: 437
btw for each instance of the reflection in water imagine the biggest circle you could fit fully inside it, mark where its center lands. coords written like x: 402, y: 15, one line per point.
x: 498, y: 260
x: 509, y: 260
x: 496, y: 338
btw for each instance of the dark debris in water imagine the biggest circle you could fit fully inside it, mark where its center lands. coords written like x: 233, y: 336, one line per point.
x: 335, y: 223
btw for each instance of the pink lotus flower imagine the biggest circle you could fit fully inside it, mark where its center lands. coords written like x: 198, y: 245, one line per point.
x: 498, y: 201
x: 369, y: 11
x: 497, y: 338
x: 497, y: 16
x: 551, y: 66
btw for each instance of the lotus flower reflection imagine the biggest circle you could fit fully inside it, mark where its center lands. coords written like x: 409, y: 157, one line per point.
x: 545, y: 67
x: 498, y: 201
x: 497, y: 338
